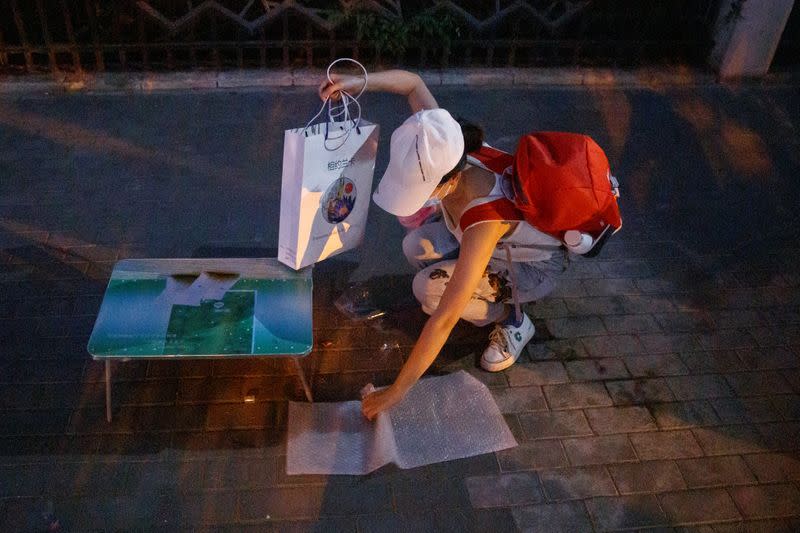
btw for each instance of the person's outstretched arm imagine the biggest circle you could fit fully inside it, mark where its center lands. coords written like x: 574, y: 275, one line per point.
x: 477, y: 246
x: 400, y: 82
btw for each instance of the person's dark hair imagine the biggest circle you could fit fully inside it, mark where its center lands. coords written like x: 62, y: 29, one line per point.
x: 473, y: 140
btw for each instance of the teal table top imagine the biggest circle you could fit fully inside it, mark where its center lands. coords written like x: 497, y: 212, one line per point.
x: 158, y: 308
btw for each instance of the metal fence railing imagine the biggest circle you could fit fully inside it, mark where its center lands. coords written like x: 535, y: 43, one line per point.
x: 100, y: 35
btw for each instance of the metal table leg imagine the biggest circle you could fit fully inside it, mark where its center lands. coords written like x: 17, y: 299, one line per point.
x: 108, y: 390
x: 303, y: 379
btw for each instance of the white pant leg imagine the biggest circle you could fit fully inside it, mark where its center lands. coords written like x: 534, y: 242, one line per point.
x: 494, y: 290
x: 430, y: 283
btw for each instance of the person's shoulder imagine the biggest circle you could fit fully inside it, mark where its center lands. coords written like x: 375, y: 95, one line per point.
x: 480, y: 181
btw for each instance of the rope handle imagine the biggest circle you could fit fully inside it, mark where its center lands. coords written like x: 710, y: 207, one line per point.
x: 342, y: 110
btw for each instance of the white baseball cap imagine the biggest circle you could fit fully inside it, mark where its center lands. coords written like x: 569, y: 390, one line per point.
x: 428, y: 145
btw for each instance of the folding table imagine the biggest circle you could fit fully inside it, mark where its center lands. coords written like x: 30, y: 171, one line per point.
x: 203, y: 308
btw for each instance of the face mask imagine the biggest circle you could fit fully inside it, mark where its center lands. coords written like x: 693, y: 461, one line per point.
x: 442, y: 193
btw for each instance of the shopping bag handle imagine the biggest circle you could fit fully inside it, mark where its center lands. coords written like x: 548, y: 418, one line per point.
x: 342, y: 110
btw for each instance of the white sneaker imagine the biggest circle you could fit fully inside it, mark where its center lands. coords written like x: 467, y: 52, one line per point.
x: 505, y: 344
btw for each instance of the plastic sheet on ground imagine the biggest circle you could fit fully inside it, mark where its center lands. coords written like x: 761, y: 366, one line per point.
x: 440, y: 419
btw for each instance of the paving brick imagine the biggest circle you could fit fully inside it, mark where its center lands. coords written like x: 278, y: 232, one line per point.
x: 479, y: 465
x: 576, y: 395
x: 626, y: 512
x: 758, y: 383
x: 596, y: 305
x: 281, y: 502
x: 639, y: 391
x: 540, y: 373
x: 739, y: 318
x: 776, y: 336
x: 451, y: 520
x: 684, y: 414
x: 648, y: 476
x: 767, y: 500
x: 793, y: 377
x: 780, y: 435
x: 713, y: 471
x: 787, y: 406
x: 596, y: 369
x: 627, y: 268
x: 550, y: 308
x: 554, y: 424
x: 246, y: 415
x: 684, y: 321
x: 33, y: 422
x: 613, y: 346
x: 726, y: 339
x: 713, y: 361
x: 647, y: 303
x: 512, y: 421
x: 569, y: 288
x: 576, y: 327
x: 607, y: 420
x: 699, y: 387
x: 610, y: 287
x: 559, y: 349
x: 698, y: 506
x: 562, y: 517
x: 435, y: 493
x: 599, y: 450
x: 768, y: 358
x: 575, y: 483
x: 648, y: 366
x: 631, y: 324
x: 669, y: 342
x: 729, y: 440
x: 519, y: 399
x: 504, y: 490
x: 532, y: 455
x: 774, y: 467
x: 665, y: 445
x: 743, y: 410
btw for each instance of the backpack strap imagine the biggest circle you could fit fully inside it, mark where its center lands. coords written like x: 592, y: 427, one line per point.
x: 493, y: 159
x: 500, y: 209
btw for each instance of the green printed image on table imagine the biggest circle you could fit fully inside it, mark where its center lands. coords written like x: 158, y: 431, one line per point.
x: 204, y: 307
x: 215, y: 326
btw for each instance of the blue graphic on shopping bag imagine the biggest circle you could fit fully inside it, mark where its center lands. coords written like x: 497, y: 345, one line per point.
x: 338, y: 200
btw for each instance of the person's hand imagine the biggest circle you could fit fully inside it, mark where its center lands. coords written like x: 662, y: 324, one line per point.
x: 341, y: 82
x: 379, y: 401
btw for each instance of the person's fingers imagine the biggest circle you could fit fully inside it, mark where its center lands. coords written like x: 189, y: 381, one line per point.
x: 332, y: 91
x: 366, y: 411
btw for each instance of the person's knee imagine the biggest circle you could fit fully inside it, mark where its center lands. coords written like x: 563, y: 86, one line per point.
x: 411, y: 247
x: 426, y: 291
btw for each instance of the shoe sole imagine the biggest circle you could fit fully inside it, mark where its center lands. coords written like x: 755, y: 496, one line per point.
x: 497, y: 367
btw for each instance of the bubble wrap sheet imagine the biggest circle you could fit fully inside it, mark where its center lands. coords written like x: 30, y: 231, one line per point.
x: 440, y: 419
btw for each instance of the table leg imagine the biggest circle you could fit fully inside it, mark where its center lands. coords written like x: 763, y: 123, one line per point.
x: 303, y: 379
x: 108, y: 390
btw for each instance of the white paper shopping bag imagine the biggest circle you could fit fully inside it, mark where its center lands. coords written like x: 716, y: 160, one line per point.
x: 325, y: 190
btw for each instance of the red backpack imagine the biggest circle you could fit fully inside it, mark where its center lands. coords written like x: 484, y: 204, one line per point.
x: 561, y: 182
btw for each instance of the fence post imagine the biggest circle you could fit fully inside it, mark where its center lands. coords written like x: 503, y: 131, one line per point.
x: 48, y: 42
x: 3, y: 56
x: 98, y: 51
x: 76, y: 56
x: 747, y: 34
x: 23, y: 36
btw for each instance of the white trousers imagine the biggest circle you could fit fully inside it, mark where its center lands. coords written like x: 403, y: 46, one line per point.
x: 433, y: 250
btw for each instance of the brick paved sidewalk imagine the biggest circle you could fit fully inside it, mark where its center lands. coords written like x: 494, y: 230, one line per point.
x: 662, y: 389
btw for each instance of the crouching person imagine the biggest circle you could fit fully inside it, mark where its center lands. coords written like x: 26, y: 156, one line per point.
x: 463, y: 257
